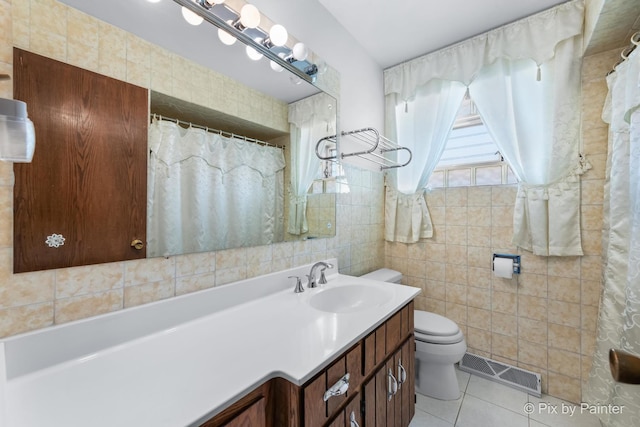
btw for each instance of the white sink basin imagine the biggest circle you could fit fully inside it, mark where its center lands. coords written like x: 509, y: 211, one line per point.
x: 350, y: 298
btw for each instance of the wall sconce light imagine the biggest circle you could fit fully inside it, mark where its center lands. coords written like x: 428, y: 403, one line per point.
x: 17, y: 134
x: 245, y: 27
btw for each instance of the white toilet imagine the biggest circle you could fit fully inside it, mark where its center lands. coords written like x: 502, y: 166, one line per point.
x: 439, y: 345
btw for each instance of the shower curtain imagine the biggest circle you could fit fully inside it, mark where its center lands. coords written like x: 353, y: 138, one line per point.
x: 207, y: 192
x: 619, y: 316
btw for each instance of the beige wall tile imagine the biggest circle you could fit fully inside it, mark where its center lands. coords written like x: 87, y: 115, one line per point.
x: 89, y: 279
x: 534, y: 331
x: 480, y: 319
x: 68, y: 309
x: 479, y: 297
x: 456, y: 274
x: 564, y: 289
x: 504, y: 346
x: 16, y: 320
x: 564, y: 267
x: 456, y: 293
x: 150, y: 292
x: 564, y: 387
x: 532, y: 354
x: 6, y: 211
x: 193, y: 264
x: 504, y: 302
x: 229, y: 275
x: 456, y: 196
x: 479, y: 196
x: 565, y: 363
x: 533, y: 284
x: 504, y: 324
x: 479, y: 236
x: 478, y: 339
x: 532, y: 307
x: 148, y: 270
x: 564, y: 313
x: 456, y: 215
x: 503, y: 195
x: 435, y: 289
x: 564, y: 337
x: 23, y: 289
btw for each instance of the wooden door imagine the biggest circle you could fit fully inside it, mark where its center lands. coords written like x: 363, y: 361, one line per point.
x: 88, y: 178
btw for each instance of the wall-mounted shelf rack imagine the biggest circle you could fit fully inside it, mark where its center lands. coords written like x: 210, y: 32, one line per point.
x: 377, y: 145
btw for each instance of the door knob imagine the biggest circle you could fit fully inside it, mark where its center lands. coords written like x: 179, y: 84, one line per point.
x: 137, y: 243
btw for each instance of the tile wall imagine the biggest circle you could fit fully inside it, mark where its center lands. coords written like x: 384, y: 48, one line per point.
x: 543, y: 320
x: 31, y: 301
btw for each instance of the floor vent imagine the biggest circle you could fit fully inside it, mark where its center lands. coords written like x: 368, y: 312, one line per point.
x: 517, y: 378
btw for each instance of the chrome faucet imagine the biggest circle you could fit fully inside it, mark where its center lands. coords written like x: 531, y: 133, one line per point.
x: 312, y: 274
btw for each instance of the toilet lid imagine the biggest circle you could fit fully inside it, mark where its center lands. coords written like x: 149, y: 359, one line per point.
x: 438, y: 339
x: 427, y: 323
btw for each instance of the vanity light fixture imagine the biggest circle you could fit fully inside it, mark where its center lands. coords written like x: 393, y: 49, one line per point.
x: 225, y: 37
x: 17, y: 134
x: 191, y: 17
x: 244, y: 26
x: 253, y: 54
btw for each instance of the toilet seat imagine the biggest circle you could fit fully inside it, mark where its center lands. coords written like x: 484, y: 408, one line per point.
x: 436, y: 329
x: 435, y: 339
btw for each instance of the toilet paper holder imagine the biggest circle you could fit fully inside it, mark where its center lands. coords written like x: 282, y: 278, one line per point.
x: 515, y: 258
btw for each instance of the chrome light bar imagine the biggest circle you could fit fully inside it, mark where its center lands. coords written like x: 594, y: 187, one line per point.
x: 306, y: 71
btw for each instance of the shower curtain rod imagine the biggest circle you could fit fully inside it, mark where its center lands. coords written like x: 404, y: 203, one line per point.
x: 218, y: 131
x: 633, y: 43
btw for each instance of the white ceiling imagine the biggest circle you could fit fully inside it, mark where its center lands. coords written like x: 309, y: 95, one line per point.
x: 394, y: 31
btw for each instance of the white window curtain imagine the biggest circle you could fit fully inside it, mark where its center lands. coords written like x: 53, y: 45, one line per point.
x: 538, y: 42
x: 619, y: 323
x: 207, y: 192
x: 423, y: 125
x: 310, y: 119
x: 536, y: 125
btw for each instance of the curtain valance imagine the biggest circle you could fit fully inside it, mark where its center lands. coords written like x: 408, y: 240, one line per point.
x: 321, y: 107
x: 532, y: 38
x: 220, y: 152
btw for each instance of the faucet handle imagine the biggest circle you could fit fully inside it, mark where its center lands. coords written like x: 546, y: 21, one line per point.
x: 299, y: 287
x: 323, y: 279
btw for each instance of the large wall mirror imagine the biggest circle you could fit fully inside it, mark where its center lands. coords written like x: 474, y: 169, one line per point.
x: 293, y: 114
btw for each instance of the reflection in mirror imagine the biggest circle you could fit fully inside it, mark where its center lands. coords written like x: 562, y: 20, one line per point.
x: 231, y: 185
x: 247, y: 99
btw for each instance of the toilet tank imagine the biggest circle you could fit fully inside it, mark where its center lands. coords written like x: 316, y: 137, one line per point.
x: 384, y: 275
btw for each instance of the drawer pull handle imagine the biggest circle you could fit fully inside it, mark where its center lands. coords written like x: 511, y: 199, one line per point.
x: 392, y: 385
x: 338, y: 388
x: 402, y: 374
x: 352, y: 420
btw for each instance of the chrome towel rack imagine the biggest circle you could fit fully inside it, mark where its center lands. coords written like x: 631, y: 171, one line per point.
x: 376, y: 148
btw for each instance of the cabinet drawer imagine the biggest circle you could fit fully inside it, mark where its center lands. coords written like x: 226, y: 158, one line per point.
x: 316, y: 410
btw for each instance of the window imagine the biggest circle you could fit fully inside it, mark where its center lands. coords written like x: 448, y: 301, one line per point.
x: 470, y: 156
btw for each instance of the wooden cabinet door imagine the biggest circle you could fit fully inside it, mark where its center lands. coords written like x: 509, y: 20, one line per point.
x: 88, y: 178
x: 406, y: 360
x: 253, y: 416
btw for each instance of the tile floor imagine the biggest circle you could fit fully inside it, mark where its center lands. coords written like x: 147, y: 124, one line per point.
x: 485, y: 403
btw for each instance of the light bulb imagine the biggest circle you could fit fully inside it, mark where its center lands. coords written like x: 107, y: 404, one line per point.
x: 252, y: 53
x: 295, y: 79
x: 249, y: 16
x: 191, y: 17
x: 300, y: 51
x: 153, y: 1
x: 225, y: 37
x: 275, y: 66
x: 278, y: 35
